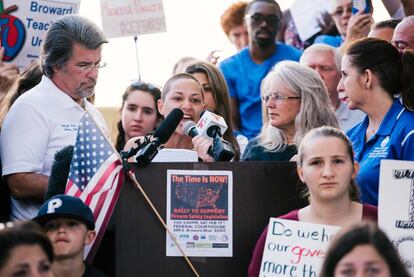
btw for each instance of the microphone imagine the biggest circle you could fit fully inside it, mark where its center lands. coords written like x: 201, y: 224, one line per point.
x: 190, y: 129
x: 161, y: 135
x: 221, y: 150
x: 209, y: 119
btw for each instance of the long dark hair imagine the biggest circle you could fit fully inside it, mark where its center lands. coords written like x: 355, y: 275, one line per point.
x: 152, y: 90
x: 393, y: 69
x: 363, y: 234
x: 221, y: 97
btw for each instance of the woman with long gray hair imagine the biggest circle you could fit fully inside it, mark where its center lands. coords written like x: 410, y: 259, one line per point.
x: 295, y: 101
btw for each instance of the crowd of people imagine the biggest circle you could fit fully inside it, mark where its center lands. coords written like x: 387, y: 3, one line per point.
x: 336, y: 105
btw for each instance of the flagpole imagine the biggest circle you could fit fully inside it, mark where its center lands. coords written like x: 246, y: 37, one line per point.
x: 137, y: 57
x: 131, y: 175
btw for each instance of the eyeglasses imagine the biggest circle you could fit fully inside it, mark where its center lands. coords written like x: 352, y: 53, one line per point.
x: 89, y: 66
x: 277, y: 97
x: 258, y: 18
x: 341, y: 11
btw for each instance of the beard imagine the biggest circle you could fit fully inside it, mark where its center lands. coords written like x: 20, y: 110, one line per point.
x: 264, y: 41
x: 86, y: 90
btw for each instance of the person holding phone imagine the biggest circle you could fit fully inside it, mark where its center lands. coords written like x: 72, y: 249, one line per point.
x: 350, y: 26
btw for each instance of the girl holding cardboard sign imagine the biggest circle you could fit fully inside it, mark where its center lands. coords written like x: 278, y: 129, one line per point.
x: 326, y: 166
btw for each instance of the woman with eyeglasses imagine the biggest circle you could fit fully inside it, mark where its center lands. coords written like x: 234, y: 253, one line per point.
x: 350, y: 27
x: 139, y: 112
x: 327, y: 169
x: 295, y: 101
x: 216, y: 97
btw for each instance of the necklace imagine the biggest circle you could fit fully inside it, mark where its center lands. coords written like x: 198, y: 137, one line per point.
x: 370, y: 131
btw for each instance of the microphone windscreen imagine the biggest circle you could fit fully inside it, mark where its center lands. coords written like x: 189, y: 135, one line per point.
x: 168, y: 126
x: 189, y: 128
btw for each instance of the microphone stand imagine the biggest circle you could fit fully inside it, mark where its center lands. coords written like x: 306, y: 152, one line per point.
x: 126, y: 154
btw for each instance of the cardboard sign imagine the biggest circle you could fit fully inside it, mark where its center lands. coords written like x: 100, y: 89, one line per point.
x: 295, y: 248
x: 396, y: 207
x: 24, y: 24
x: 121, y: 18
x: 199, y: 212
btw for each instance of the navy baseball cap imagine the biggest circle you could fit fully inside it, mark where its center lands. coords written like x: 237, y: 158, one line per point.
x: 65, y: 206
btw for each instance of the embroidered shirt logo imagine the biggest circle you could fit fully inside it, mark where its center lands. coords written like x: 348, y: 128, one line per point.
x: 385, y: 142
x: 380, y: 151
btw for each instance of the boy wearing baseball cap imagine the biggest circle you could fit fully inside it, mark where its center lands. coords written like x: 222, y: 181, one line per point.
x: 70, y: 225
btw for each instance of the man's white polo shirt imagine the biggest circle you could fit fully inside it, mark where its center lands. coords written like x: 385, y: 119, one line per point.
x: 40, y: 123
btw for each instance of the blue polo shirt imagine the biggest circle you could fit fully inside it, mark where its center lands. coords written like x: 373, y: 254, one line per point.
x: 334, y: 41
x: 243, y: 77
x: 394, y: 140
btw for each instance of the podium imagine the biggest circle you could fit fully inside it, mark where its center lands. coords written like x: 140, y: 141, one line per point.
x: 260, y: 190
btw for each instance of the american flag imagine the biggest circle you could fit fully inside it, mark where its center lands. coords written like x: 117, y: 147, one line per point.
x: 95, y: 176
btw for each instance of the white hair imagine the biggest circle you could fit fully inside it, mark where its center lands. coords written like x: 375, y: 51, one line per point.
x: 321, y: 47
x: 315, y: 107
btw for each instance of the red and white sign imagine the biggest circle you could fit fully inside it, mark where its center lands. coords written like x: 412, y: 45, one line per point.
x: 121, y: 18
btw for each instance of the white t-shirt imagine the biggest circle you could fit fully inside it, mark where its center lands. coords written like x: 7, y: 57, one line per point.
x: 40, y: 123
x: 348, y: 118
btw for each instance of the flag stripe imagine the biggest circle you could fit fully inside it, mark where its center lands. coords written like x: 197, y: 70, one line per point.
x: 95, y: 176
x: 106, y: 219
x: 100, y: 184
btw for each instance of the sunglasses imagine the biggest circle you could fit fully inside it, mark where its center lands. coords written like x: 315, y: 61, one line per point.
x: 258, y: 18
x: 139, y: 85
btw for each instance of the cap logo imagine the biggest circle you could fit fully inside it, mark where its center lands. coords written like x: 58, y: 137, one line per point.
x: 53, y: 205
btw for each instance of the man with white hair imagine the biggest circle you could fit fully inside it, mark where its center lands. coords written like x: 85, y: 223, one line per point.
x: 326, y: 60
x: 403, y: 37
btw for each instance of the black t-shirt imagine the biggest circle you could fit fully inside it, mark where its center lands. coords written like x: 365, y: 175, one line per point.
x: 91, y: 271
x: 256, y: 152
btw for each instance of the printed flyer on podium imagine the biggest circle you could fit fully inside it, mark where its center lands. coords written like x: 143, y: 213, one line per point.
x: 200, y: 213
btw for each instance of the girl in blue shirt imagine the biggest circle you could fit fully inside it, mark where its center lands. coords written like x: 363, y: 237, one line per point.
x: 373, y: 73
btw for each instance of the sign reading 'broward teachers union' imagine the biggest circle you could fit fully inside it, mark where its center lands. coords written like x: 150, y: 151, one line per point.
x: 121, y: 18
x: 24, y: 24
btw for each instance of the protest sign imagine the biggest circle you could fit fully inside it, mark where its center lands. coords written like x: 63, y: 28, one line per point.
x: 122, y: 18
x: 295, y: 248
x: 24, y: 24
x: 306, y: 15
x: 396, y: 207
x: 200, y: 213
